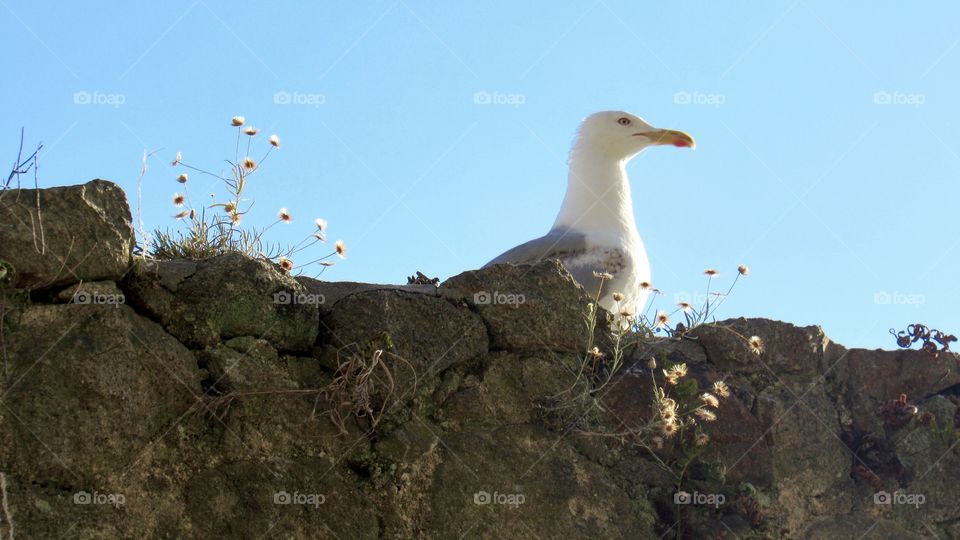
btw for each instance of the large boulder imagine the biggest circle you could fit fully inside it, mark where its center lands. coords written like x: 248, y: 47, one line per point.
x: 63, y: 235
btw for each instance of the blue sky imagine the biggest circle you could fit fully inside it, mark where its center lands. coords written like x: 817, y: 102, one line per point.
x: 827, y: 157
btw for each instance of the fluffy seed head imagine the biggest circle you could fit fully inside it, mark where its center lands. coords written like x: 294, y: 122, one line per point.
x: 275, y: 141
x: 744, y: 270
x: 721, y: 389
x: 285, y: 216
x: 251, y: 131
x: 178, y: 199
x: 341, y: 249
x: 182, y: 178
x: 237, y: 121
x: 710, y: 400
x: 617, y: 297
x: 249, y: 163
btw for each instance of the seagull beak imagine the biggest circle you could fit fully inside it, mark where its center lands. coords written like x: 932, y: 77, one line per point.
x: 669, y: 136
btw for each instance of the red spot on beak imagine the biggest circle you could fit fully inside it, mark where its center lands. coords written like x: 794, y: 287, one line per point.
x: 682, y: 143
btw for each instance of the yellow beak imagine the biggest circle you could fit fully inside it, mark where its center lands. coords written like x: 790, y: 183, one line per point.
x: 670, y: 136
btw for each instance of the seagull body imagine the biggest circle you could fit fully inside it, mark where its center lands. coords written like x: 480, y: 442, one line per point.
x: 595, y: 230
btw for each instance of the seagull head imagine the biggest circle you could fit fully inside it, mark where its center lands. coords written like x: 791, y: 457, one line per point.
x: 622, y: 135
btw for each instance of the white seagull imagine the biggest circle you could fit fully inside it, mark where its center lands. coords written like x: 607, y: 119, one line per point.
x: 595, y: 230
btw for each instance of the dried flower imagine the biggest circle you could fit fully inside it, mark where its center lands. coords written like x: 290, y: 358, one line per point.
x: 706, y: 414
x: 668, y: 429
x: 711, y: 272
x: 662, y: 319
x: 710, y: 400
x: 744, y: 270
x: 182, y: 214
x: 595, y: 352
x: 679, y: 369
x: 286, y: 264
x: 603, y: 275
x: 229, y: 207
x: 645, y: 285
x: 652, y: 363
x: 756, y: 344
x: 341, y: 249
x: 320, y: 223
x: 179, y: 199
x: 617, y: 297
x: 237, y: 121
x: 720, y: 388
x: 275, y: 141
x: 685, y: 307
x: 657, y: 442
x: 251, y: 131
x: 249, y: 163
x: 182, y: 178
x: 176, y: 161
x: 701, y: 439
x: 235, y: 218
x: 627, y: 312
x: 285, y: 216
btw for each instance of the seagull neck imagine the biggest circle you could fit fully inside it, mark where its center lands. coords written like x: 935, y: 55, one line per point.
x: 598, y: 196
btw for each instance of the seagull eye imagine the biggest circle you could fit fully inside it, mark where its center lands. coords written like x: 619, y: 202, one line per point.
x: 624, y: 121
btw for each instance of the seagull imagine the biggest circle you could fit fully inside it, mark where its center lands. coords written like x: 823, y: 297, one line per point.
x: 595, y: 234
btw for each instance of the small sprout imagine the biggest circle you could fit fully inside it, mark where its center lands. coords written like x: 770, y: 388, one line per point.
x: 251, y: 131
x: 341, y: 249
x: 275, y: 141
x: 756, y: 345
x: 237, y: 121
x: 285, y: 216
x: 744, y: 270
x: 179, y: 199
x: 182, y: 178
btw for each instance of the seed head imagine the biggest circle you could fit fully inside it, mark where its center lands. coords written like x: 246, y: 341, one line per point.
x: 285, y: 216
x: 229, y: 207
x: 721, y: 389
x: 701, y: 439
x: 176, y: 161
x: 249, y: 163
x: 711, y: 272
x: 182, y: 178
x: 251, y: 131
x: 668, y: 429
x: 179, y: 199
x: 275, y: 141
x: 744, y: 270
x: 756, y: 345
x: 645, y: 285
x: 182, y: 214
x: 341, y: 249
x: 685, y: 307
x: 710, y: 400
x: 237, y: 121
x: 617, y: 297
x: 286, y: 264
x: 662, y: 319
x: 652, y: 363
x: 706, y: 414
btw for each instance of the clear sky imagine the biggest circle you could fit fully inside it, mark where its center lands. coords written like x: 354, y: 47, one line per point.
x: 433, y: 136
